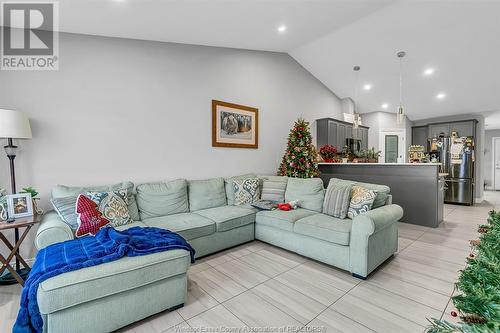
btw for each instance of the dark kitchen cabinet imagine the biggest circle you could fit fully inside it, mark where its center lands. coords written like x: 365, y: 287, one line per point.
x: 335, y: 132
x: 364, y: 137
x: 463, y: 128
x: 439, y: 129
x: 341, y: 136
x: 419, y: 136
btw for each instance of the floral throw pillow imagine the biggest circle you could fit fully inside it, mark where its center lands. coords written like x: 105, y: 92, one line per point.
x: 113, y: 205
x: 246, y: 191
x: 361, y: 201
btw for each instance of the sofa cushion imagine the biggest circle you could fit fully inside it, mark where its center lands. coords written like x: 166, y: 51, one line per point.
x: 65, y: 208
x: 246, y: 191
x: 273, y: 188
x: 228, y: 185
x: 61, y: 191
x: 381, y: 191
x: 337, y: 201
x: 162, y: 198
x: 281, y: 219
x: 113, y: 205
x: 229, y: 217
x: 188, y: 225
x: 324, y: 227
x: 207, y: 193
x: 309, y: 192
x: 361, y: 201
x: 91, y: 283
x: 90, y: 219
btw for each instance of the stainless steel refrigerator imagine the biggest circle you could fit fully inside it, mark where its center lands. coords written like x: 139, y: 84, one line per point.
x: 457, y: 160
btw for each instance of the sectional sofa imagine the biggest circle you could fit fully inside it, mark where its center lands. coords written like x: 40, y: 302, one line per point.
x: 202, y: 211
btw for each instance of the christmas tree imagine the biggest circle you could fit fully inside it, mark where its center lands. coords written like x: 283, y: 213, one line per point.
x: 300, y: 155
x: 478, y: 301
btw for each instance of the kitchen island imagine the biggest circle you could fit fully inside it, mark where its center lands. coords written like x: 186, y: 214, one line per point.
x: 417, y: 187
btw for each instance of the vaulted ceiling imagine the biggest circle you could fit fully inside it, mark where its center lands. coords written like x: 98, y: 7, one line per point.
x: 460, y: 40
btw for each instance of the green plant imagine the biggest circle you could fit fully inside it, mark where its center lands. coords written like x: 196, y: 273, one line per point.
x: 346, y: 152
x: 479, y: 285
x: 31, y: 191
x: 372, y: 154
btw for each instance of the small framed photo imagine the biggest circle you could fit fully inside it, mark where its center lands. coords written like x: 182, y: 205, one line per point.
x: 20, y: 205
x: 234, y: 125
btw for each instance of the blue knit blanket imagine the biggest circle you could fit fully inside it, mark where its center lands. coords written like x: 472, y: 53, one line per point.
x: 108, y: 245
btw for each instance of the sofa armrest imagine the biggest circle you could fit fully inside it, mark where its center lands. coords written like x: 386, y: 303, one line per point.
x: 374, y: 238
x: 52, y: 230
x: 376, y: 219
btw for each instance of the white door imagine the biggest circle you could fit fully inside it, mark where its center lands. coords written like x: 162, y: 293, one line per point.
x: 392, y: 146
x: 496, y: 163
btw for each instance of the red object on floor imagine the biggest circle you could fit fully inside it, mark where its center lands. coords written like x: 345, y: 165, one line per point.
x: 90, y: 218
x: 285, y: 206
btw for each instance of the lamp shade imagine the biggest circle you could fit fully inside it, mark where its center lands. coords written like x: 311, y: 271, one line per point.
x: 14, y: 124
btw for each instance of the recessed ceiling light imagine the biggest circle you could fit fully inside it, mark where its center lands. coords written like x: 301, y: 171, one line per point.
x: 384, y: 106
x: 282, y: 28
x: 367, y: 86
x: 429, y: 71
x: 441, y: 96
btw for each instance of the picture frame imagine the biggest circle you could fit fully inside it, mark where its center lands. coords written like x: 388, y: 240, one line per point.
x: 234, y: 125
x: 4, y: 210
x: 20, y: 205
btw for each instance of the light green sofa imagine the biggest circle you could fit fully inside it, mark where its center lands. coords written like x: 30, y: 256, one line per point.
x: 203, y: 212
x: 358, y: 246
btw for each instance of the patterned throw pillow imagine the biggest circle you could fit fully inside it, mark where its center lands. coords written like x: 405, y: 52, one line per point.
x: 66, y: 209
x: 361, y: 201
x: 90, y: 219
x: 337, y: 201
x: 3, y: 208
x: 246, y: 191
x: 113, y: 205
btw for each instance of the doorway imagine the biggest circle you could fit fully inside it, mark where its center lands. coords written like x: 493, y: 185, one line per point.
x: 495, y: 161
x: 392, y: 146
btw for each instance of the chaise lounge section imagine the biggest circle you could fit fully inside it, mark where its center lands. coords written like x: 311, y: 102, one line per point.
x: 205, y: 214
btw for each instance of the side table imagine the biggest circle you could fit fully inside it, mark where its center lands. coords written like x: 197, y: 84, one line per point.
x: 18, y: 274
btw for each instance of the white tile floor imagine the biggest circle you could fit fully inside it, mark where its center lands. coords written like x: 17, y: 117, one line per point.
x: 260, y: 286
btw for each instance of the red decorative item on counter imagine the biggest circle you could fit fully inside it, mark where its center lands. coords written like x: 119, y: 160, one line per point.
x: 328, y: 153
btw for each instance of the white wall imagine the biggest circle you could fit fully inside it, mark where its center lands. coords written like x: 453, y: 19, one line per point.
x: 488, y: 156
x: 121, y: 109
x: 380, y: 120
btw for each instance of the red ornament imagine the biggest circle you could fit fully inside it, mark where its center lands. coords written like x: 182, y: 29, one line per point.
x: 454, y: 313
x: 285, y: 206
x: 471, y: 255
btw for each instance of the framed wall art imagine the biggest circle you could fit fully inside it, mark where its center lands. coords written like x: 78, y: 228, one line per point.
x: 234, y: 126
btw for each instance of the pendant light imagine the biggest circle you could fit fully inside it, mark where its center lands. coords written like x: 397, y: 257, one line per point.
x: 400, y: 116
x: 355, y: 114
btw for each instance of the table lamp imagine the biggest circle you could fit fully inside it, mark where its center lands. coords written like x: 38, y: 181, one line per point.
x: 13, y: 125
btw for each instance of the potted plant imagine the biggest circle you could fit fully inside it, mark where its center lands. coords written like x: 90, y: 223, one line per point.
x: 34, y: 194
x: 373, y: 155
x: 346, y: 154
x: 328, y: 153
